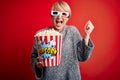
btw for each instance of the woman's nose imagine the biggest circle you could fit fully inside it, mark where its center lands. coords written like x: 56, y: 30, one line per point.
x: 59, y: 16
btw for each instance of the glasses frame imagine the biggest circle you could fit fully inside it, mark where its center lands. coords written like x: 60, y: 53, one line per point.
x: 60, y: 13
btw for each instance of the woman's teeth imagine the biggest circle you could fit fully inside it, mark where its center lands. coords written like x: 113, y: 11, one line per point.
x: 59, y: 21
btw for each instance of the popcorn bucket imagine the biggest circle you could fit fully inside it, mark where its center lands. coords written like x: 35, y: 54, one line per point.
x: 49, y: 48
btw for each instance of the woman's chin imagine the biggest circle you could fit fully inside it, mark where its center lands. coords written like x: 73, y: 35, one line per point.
x: 58, y: 28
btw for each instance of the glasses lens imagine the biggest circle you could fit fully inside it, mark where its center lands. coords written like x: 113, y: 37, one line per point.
x: 55, y: 13
x: 64, y: 14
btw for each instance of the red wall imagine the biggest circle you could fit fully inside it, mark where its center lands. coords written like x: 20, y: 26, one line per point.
x: 20, y: 19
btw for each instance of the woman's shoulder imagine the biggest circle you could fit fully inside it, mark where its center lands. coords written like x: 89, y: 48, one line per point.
x: 71, y: 28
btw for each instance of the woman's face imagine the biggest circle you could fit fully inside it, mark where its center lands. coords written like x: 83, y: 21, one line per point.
x: 59, y: 19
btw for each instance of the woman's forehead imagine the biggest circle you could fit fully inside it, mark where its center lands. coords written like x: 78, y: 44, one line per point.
x: 60, y: 9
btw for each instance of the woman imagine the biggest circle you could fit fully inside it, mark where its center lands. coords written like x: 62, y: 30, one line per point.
x: 74, y: 47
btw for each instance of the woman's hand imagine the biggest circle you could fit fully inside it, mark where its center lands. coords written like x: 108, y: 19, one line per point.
x: 87, y: 31
x: 39, y: 62
x: 88, y: 28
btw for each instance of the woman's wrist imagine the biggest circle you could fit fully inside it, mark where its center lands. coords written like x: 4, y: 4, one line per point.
x: 86, y: 38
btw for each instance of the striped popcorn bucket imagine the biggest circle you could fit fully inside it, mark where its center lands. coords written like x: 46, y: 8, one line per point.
x: 49, y: 48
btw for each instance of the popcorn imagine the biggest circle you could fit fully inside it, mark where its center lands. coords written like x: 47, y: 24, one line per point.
x: 48, y: 44
x: 48, y: 33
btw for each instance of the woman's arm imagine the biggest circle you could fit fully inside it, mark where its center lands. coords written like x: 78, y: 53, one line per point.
x: 83, y: 49
x: 34, y: 55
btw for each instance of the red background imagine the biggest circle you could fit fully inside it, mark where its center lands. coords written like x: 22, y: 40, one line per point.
x: 20, y: 19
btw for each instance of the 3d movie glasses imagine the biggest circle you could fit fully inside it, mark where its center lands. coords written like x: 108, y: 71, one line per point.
x: 56, y: 13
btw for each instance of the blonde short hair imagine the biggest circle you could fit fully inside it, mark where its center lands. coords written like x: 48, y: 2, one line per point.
x: 61, y: 4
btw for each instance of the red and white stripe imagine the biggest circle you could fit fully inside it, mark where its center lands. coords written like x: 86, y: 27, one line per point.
x: 55, y: 60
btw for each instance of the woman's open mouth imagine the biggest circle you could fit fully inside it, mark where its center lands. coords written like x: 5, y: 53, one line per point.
x: 58, y: 23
